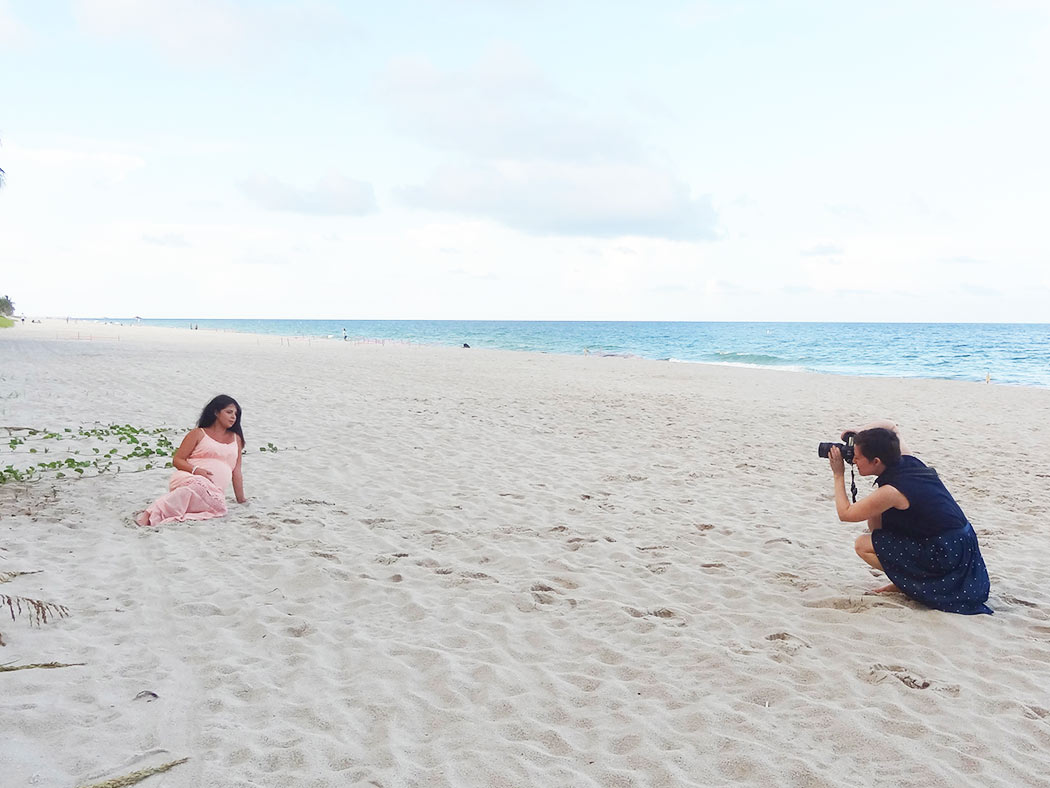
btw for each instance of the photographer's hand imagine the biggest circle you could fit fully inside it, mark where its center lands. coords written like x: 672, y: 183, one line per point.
x: 838, y: 466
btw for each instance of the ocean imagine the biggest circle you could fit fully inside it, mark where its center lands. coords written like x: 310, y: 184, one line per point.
x: 1010, y: 353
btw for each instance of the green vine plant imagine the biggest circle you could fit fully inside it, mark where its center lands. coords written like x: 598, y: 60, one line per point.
x: 41, y: 454
x: 37, y: 454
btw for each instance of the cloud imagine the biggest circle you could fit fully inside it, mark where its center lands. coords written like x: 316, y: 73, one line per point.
x: 12, y: 32
x: 101, y: 168
x: 333, y: 195
x: 848, y: 211
x: 170, y: 240
x: 210, y: 30
x: 821, y: 250
x: 963, y: 260
x: 543, y: 198
x: 981, y: 291
x: 501, y: 108
x: 529, y: 156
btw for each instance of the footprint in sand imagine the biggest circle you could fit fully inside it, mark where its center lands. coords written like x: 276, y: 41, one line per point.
x: 392, y: 558
x: 478, y: 576
x: 545, y: 594
x: 376, y: 520
x: 794, y: 580
x: 1015, y: 601
x: 851, y: 604
x: 787, y: 643
x: 879, y: 673
x: 660, y: 612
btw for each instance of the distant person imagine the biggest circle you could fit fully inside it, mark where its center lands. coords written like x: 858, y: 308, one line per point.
x: 208, y: 458
x: 918, y: 535
x: 345, y: 337
x: 466, y: 345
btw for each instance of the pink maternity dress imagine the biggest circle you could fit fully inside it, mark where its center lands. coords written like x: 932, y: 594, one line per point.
x: 196, y: 497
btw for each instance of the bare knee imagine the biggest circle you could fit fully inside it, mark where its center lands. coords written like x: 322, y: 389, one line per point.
x: 863, y: 545
x: 866, y: 550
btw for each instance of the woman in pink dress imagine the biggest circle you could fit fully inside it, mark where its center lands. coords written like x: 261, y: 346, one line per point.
x: 208, y: 459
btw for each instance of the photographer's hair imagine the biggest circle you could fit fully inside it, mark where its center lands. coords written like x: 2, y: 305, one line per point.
x: 879, y: 444
x: 211, y: 412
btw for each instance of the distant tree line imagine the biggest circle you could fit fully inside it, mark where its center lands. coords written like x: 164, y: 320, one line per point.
x: 7, y: 307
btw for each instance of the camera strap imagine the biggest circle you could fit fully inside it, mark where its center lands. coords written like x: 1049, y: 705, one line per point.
x: 853, y: 483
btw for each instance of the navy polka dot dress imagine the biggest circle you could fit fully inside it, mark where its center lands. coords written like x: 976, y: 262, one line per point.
x: 929, y: 550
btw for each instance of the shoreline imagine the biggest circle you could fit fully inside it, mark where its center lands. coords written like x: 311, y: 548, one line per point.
x: 113, y: 330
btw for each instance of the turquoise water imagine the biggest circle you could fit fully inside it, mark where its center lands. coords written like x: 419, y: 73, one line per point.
x: 1013, y: 353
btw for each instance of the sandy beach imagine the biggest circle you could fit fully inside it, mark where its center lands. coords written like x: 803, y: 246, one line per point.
x: 484, y: 568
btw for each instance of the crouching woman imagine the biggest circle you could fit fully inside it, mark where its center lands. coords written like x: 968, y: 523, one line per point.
x: 918, y: 535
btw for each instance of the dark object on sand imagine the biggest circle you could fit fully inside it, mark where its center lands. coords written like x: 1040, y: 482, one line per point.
x: 465, y: 345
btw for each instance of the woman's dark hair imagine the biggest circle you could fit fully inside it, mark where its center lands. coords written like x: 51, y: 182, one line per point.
x: 880, y: 444
x: 211, y: 412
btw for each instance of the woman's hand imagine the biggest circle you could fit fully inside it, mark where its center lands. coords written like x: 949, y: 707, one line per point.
x: 838, y: 466
x: 198, y: 471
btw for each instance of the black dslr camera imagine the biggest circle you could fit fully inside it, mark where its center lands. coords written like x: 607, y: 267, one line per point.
x: 846, y: 448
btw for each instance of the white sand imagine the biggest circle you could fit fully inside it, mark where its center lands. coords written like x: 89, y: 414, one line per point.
x: 479, y: 568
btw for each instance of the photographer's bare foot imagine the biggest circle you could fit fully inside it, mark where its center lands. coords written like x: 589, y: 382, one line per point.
x: 885, y: 589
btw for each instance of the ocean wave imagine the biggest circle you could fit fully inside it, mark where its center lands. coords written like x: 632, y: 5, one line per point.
x: 783, y: 367
x: 751, y: 359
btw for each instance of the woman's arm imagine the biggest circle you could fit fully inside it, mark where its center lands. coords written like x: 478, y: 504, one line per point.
x: 238, y: 480
x: 869, y: 508
x: 181, y: 459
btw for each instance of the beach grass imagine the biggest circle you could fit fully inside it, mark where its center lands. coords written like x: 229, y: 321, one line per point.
x: 6, y: 322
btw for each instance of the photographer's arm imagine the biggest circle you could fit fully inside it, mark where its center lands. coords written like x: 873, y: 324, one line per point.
x: 869, y: 508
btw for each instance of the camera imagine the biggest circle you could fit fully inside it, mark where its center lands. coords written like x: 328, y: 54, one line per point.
x: 846, y: 448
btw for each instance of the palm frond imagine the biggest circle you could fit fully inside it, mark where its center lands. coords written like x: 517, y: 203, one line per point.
x: 134, y: 777
x: 39, y: 612
x: 8, y: 668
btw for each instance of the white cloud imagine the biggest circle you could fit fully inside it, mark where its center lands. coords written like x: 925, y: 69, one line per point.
x: 95, y: 166
x: 533, y: 158
x: 170, y: 240
x: 503, y: 107
x: 332, y: 196
x: 571, y: 199
x: 203, y: 31
x: 821, y: 250
x: 12, y: 32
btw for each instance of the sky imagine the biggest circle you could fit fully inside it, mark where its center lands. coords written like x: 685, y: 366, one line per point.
x: 829, y: 160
